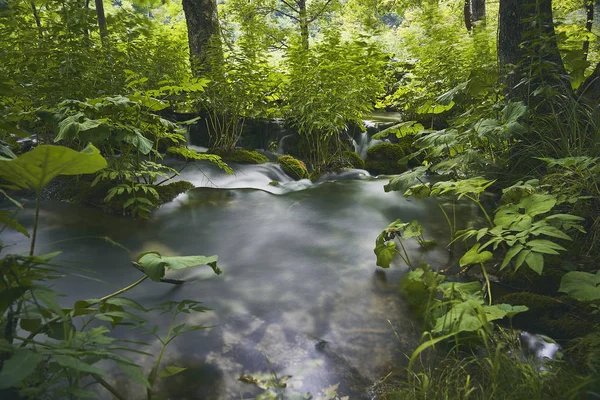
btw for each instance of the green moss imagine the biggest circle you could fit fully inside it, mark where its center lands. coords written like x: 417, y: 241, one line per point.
x: 293, y: 167
x: 383, y: 158
x: 241, y: 156
x: 354, y: 159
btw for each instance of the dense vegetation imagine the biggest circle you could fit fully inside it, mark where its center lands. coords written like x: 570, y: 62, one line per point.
x: 500, y: 110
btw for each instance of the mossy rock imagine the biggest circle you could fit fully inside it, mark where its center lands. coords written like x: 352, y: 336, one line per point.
x: 383, y: 158
x: 241, y: 156
x: 353, y: 159
x: 293, y: 167
x: 561, y: 318
x: 167, y: 193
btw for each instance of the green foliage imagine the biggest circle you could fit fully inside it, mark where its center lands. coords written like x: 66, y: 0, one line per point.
x: 293, y: 167
x: 241, y: 156
x: 582, y: 286
x: 385, y: 245
x: 63, y: 361
x: 333, y: 83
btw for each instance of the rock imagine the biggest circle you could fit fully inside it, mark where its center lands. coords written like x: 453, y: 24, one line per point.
x: 383, y: 158
x: 293, y: 167
x: 353, y: 159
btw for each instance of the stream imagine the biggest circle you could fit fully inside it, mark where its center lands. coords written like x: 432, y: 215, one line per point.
x: 300, y: 294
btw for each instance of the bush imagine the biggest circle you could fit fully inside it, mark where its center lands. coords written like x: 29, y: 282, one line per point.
x: 383, y: 158
x: 241, y: 156
x: 293, y: 167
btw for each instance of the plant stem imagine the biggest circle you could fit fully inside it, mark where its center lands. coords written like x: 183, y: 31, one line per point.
x: 35, y: 222
x: 487, y: 283
x: 152, y: 376
x: 108, y: 387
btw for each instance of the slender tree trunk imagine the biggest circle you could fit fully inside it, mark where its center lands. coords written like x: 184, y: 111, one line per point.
x: 203, y: 26
x: 589, y: 8
x: 527, y: 49
x: 303, y: 20
x: 467, y: 15
x: 36, y: 16
x: 101, y: 18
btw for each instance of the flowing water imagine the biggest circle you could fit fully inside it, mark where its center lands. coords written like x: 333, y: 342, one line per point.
x: 300, y: 294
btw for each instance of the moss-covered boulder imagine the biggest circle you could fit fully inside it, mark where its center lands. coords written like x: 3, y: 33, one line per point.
x: 293, y: 167
x: 383, y: 158
x: 167, y: 193
x: 353, y: 159
x: 241, y: 156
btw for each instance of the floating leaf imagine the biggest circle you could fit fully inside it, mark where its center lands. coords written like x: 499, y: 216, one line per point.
x: 155, y: 265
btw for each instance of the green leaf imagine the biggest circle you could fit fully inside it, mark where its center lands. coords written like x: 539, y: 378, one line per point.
x: 582, y: 286
x: 36, y: 168
x: 511, y: 310
x: 473, y: 256
x: 170, y: 371
x: 8, y: 219
x: 513, y: 251
x: 22, y: 364
x: 141, y: 143
x: 414, y: 229
x: 385, y: 252
x: 545, y: 246
x: 155, y: 265
x: 401, y: 182
x: 76, y: 364
x: 535, y: 261
x: 135, y: 373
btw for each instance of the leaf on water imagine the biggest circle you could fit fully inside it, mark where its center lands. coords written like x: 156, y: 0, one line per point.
x: 155, y: 265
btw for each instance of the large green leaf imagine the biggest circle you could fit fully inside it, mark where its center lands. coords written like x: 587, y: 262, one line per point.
x: 474, y: 256
x: 35, y: 169
x: 582, y: 286
x: 155, y: 265
x: 385, y: 252
x: 22, y: 364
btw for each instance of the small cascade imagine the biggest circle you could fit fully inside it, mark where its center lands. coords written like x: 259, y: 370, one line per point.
x: 281, y: 144
x: 364, y: 144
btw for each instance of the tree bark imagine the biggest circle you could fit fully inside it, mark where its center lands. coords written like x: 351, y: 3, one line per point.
x: 303, y: 21
x: 589, y: 8
x: 478, y: 12
x: 203, y: 27
x: 467, y: 15
x: 101, y: 18
x: 527, y: 49
x: 36, y: 16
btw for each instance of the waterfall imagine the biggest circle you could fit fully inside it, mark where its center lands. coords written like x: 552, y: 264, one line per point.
x: 364, y: 144
x: 280, y: 148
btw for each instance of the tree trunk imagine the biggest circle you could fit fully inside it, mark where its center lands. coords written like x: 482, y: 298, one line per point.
x: 36, y: 16
x: 478, y: 12
x: 467, y: 15
x: 589, y: 7
x: 527, y: 49
x: 101, y: 18
x: 303, y: 20
x: 203, y: 27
